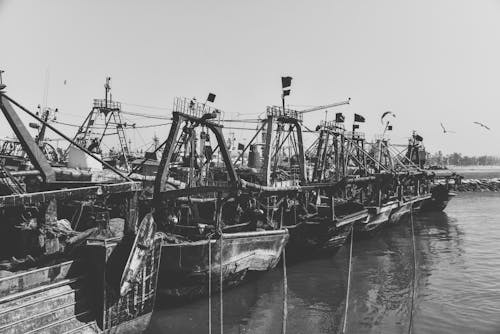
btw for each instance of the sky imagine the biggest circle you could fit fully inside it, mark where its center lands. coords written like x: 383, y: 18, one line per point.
x: 428, y: 61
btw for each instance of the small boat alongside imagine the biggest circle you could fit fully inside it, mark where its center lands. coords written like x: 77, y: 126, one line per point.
x: 438, y: 200
x: 64, y: 245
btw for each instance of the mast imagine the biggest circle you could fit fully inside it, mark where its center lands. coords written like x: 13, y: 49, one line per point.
x: 111, y: 112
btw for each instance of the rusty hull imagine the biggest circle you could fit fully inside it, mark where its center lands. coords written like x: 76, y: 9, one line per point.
x: 185, y: 267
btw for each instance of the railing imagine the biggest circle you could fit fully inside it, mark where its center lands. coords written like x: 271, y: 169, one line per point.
x: 355, y: 135
x: 276, y: 111
x: 194, y: 108
x: 102, y: 103
x: 332, y: 125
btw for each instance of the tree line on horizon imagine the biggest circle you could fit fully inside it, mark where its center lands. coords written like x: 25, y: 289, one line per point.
x: 457, y: 159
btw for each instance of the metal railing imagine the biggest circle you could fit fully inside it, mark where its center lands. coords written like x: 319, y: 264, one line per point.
x: 355, y: 135
x: 194, y: 108
x: 276, y: 111
x: 102, y: 103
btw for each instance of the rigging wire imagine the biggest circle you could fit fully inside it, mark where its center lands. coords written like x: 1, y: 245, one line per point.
x: 146, y: 106
x: 112, y: 123
x: 167, y: 123
x: 135, y: 132
x: 143, y: 115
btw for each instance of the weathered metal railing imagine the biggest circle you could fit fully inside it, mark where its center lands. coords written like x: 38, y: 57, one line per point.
x: 278, y: 112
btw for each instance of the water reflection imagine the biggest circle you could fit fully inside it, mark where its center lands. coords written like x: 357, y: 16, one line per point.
x: 449, y: 252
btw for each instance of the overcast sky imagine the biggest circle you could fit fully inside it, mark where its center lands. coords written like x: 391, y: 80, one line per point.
x: 428, y: 61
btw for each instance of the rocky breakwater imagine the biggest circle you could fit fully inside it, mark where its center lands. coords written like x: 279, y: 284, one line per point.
x: 462, y: 184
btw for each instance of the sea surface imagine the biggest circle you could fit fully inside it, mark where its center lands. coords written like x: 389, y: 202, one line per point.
x: 457, y: 288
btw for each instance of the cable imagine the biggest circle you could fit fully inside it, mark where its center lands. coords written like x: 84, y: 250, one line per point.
x: 209, y: 285
x: 145, y: 115
x: 127, y: 126
x: 221, y: 292
x: 77, y: 221
x: 146, y: 106
x: 285, y: 293
x: 344, y: 327
x: 410, y: 327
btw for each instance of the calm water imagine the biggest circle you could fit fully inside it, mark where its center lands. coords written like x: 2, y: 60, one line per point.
x: 458, y: 285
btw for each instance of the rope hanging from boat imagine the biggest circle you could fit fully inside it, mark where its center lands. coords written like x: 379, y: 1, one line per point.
x: 221, y: 292
x: 285, y: 293
x: 209, y: 284
x: 410, y: 327
x: 76, y: 221
x: 285, y: 281
x: 344, y: 326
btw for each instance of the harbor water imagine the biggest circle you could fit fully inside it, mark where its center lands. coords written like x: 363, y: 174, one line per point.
x: 457, y: 288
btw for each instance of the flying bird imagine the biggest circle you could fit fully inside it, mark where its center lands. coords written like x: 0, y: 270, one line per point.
x: 385, y: 114
x: 444, y: 129
x: 482, y: 125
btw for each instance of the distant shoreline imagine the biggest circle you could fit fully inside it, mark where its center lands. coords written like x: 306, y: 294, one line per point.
x: 471, y: 173
x: 473, y: 167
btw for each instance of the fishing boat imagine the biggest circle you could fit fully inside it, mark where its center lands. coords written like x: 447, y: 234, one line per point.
x: 403, y: 186
x: 439, y: 199
x: 438, y: 195
x: 64, y: 249
x: 342, y: 156
x: 216, y: 230
x: 318, y: 221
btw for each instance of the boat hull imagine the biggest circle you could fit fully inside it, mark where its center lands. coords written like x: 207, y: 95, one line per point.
x: 440, y: 196
x: 434, y: 204
x: 78, y: 296
x: 406, y: 207
x: 186, y: 267
x: 377, y: 217
x: 321, y: 237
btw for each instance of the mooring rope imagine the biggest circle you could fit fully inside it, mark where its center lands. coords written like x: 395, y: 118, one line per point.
x: 344, y: 327
x: 220, y: 292
x: 209, y: 284
x: 77, y: 221
x: 410, y: 327
x: 285, y: 293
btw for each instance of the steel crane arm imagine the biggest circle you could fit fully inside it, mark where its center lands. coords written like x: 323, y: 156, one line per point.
x: 337, y: 104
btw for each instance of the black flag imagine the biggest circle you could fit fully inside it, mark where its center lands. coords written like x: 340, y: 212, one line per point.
x: 286, y: 83
x: 339, y: 117
x: 418, y: 138
x: 355, y: 126
x: 241, y: 147
x: 358, y: 118
x: 211, y: 97
x: 389, y: 128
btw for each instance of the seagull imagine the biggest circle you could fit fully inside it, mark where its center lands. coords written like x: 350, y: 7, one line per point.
x: 481, y: 124
x: 444, y: 129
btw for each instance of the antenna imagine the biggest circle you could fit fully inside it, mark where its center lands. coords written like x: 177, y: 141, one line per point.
x: 46, y: 88
x: 107, y: 88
